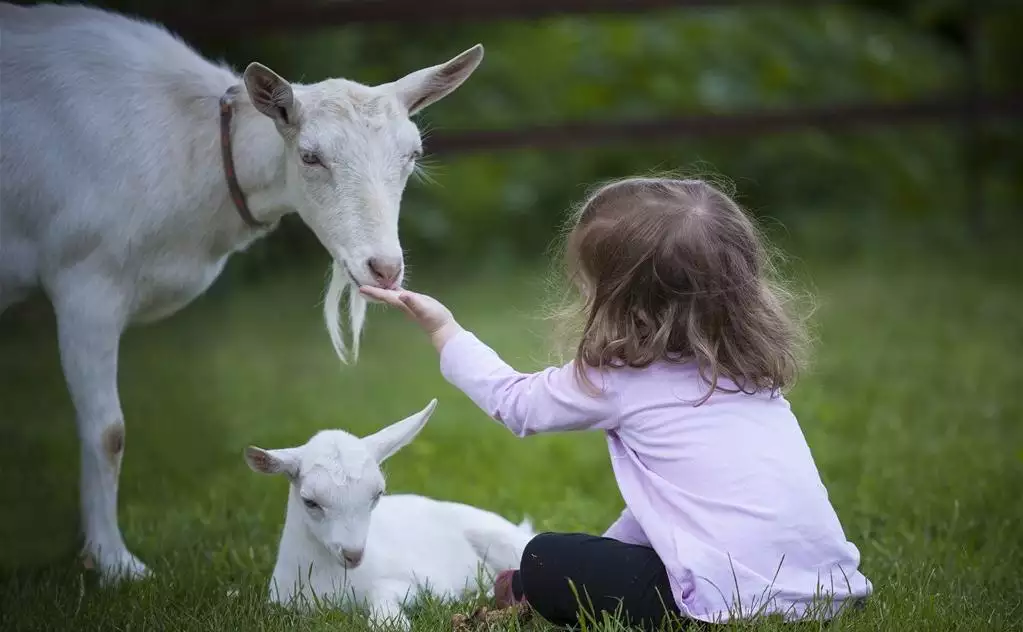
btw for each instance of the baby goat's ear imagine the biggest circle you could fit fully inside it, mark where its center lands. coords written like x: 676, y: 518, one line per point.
x: 284, y: 461
x: 386, y: 442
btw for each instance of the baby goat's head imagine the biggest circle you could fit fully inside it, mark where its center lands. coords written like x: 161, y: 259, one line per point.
x: 336, y: 481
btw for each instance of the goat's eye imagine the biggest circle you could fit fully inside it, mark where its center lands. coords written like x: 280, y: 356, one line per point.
x: 310, y: 503
x: 310, y: 158
x: 376, y: 498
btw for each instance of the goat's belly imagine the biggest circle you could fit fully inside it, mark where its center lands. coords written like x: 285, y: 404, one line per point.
x: 166, y: 287
x: 446, y: 571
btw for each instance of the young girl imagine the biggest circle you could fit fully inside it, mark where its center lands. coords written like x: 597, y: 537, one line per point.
x: 685, y: 350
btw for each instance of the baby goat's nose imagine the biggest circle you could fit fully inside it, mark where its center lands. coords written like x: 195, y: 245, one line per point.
x: 352, y: 558
x: 386, y: 270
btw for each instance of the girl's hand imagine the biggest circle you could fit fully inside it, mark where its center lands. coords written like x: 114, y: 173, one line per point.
x: 435, y: 319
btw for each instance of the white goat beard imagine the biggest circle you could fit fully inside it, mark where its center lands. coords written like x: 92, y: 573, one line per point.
x: 339, y: 280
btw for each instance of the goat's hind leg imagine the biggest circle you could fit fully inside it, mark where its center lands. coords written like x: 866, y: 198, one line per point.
x: 90, y: 320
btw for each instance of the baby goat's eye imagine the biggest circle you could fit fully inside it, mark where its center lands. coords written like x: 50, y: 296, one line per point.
x: 310, y: 158
x: 310, y: 503
x: 376, y: 498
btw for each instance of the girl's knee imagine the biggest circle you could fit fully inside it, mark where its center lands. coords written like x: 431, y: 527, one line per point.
x: 537, y: 551
x: 542, y: 578
x: 540, y: 542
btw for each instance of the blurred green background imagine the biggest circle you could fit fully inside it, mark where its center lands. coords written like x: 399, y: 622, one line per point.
x: 664, y: 63
x: 912, y: 404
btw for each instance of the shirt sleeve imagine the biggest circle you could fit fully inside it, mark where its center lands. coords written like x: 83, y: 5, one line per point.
x: 627, y: 529
x: 526, y: 403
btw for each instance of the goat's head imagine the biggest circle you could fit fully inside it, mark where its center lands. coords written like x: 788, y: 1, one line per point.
x: 349, y: 151
x: 336, y: 481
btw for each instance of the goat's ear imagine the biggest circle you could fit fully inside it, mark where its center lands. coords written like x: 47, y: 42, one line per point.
x: 271, y: 94
x: 386, y: 442
x: 283, y: 461
x: 423, y: 87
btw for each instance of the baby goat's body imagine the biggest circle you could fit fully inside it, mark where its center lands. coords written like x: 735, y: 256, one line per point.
x: 414, y: 543
x: 345, y: 543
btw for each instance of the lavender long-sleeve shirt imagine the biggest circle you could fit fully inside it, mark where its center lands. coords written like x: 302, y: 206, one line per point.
x: 726, y: 493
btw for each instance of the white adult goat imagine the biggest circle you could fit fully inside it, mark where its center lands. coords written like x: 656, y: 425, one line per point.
x: 330, y: 551
x: 122, y: 200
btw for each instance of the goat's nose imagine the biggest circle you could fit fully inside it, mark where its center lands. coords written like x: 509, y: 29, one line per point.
x: 353, y: 558
x: 386, y: 270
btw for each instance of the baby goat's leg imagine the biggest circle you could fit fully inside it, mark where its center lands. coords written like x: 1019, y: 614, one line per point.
x: 386, y: 604
x: 89, y: 325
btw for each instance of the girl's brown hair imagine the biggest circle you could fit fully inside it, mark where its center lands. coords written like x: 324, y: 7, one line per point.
x: 673, y: 270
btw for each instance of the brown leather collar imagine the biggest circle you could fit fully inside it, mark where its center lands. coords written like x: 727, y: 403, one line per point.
x: 237, y: 196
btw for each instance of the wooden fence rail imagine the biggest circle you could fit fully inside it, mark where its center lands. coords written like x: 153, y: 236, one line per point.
x: 833, y: 117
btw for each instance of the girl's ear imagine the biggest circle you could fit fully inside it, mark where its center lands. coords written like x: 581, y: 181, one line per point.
x: 284, y: 461
x: 384, y: 443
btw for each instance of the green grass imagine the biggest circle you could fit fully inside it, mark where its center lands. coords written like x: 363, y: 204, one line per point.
x: 912, y: 407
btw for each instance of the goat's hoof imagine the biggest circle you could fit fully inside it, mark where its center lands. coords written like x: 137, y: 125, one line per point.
x: 114, y: 568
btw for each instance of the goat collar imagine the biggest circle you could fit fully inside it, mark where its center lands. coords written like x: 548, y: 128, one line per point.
x: 237, y: 196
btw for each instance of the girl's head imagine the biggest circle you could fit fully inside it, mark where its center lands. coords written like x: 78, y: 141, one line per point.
x: 674, y: 270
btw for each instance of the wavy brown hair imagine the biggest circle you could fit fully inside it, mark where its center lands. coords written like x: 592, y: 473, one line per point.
x: 673, y: 270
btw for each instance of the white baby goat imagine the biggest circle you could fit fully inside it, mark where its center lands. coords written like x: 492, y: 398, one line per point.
x: 331, y: 552
x: 132, y: 168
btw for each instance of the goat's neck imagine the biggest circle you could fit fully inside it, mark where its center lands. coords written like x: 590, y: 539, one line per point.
x: 259, y: 154
x: 258, y: 151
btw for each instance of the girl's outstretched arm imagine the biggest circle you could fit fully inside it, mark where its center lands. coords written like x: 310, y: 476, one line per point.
x: 527, y: 403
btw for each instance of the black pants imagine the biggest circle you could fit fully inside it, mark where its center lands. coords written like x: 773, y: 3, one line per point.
x: 621, y: 579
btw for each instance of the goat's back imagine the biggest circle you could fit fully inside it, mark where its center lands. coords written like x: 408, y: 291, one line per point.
x: 106, y: 124
x: 99, y: 99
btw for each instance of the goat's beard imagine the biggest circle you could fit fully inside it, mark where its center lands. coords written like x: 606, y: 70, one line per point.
x: 339, y: 281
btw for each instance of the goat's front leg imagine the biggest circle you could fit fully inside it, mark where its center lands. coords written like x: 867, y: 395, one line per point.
x: 89, y: 326
x: 386, y: 604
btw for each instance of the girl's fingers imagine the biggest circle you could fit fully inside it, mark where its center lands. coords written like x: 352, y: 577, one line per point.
x: 388, y: 297
x: 408, y: 312
x: 408, y: 302
x: 385, y: 296
x: 372, y: 292
x: 413, y: 305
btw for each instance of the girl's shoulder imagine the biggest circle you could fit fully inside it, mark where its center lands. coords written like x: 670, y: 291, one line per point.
x: 656, y: 371
x: 681, y: 382
x: 656, y: 376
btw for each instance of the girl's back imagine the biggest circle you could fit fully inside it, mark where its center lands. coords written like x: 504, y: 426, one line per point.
x: 749, y: 444
x: 734, y: 483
